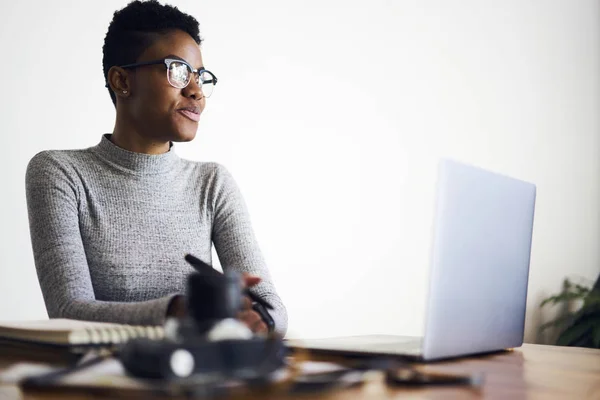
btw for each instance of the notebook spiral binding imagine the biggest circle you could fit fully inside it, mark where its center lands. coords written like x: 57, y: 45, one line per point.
x: 115, y: 335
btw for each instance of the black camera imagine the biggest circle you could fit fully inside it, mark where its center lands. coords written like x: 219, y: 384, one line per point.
x: 210, y: 339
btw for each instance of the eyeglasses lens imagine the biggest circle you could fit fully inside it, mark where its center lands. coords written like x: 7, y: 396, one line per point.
x: 179, y: 75
x: 208, y: 83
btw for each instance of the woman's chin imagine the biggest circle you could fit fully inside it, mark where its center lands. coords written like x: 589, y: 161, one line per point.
x: 184, y: 136
x: 184, y: 129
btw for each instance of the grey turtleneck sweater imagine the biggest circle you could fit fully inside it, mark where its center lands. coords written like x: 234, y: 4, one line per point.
x: 110, y: 228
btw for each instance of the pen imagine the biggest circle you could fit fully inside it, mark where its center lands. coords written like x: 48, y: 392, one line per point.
x: 204, y: 268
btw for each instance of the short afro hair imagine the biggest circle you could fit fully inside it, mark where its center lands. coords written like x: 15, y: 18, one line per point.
x: 136, y: 27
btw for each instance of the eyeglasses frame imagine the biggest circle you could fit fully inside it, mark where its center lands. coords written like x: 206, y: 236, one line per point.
x: 167, y: 62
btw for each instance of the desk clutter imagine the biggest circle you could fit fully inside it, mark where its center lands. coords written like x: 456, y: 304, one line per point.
x: 106, y: 374
x: 207, y: 353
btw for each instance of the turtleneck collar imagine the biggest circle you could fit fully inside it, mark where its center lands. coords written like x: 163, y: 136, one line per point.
x: 138, y: 163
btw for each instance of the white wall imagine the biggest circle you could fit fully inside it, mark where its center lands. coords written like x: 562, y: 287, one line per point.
x: 335, y: 150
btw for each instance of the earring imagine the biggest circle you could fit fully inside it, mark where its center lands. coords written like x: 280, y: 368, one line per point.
x: 124, y: 91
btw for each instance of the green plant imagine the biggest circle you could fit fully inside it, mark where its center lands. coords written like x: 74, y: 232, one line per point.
x: 580, y: 328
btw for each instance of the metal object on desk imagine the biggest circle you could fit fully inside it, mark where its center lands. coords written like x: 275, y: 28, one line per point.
x: 211, y: 299
x: 245, y: 359
x: 210, y: 340
x: 410, y: 376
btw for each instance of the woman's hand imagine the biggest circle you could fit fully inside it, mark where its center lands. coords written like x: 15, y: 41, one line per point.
x: 177, y: 308
x: 247, y: 315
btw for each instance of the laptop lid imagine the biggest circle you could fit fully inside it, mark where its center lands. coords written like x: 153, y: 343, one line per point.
x: 479, y: 271
x: 479, y: 263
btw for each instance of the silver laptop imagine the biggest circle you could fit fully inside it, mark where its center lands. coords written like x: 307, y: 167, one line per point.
x: 481, y: 248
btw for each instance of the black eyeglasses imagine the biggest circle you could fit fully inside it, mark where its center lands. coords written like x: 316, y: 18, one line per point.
x: 179, y: 74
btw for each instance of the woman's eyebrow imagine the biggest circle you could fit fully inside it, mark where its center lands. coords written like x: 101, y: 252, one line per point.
x: 176, y: 57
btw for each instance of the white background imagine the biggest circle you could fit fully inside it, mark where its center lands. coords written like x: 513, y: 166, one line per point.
x: 331, y: 115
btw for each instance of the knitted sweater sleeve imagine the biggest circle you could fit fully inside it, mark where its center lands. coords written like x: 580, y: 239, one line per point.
x: 52, y: 201
x: 236, y: 244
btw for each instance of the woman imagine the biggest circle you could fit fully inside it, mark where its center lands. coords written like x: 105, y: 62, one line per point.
x: 110, y: 224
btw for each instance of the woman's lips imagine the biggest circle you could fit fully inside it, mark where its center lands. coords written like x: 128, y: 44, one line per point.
x: 194, y: 116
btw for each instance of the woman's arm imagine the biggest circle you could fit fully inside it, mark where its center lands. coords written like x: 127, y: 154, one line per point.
x: 60, y: 259
x: 236, y: 244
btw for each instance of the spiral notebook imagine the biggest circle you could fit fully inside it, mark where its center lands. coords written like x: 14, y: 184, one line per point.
x: 69, y: 332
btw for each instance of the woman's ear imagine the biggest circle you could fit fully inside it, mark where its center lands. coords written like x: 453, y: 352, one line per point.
x: 119, y: 82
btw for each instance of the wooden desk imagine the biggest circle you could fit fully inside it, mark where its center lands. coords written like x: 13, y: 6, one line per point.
x: 529, y: 372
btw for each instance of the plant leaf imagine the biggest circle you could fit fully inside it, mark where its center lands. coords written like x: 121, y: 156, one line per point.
x: 571, y: 318
x: 581, y: 289
x: 565, y: 296
x: 562, y: 320
x: 592, y: 299
x: 578, y: 329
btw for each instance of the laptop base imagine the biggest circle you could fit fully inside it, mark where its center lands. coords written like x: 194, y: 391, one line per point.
x: 363, y: 346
